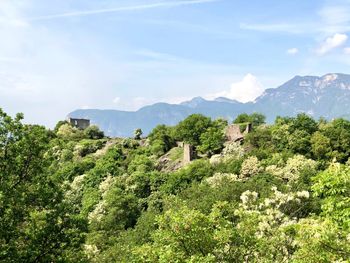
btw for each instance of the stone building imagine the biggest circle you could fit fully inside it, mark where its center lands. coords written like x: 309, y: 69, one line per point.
x: 79, y: 123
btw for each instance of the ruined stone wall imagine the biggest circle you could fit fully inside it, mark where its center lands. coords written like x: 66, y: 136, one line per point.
x: 180, y: 144
x: 79, y: 123
x: 233, y: 133
x: 249, y: 128
x: 189, y: 153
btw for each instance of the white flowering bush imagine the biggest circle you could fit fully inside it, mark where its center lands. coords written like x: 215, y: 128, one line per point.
x: 233, y: 150
x: 259, y: 232
x: 248, y: 198
x: 218, y: 178
x: 97, y: 214
x: 216, y: 158
x: 74, y: 192
x: 269, y: 223
x: 106, y: 184
x: 293, y: 168
x: 91, y: 251
x: 250, y: 167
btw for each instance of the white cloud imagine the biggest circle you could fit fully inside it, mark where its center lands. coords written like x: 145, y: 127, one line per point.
x: 280, y: 27
x: 136, y: 103
x: 132, y: 103
x: 331, y: 43
x: 293, y: 51
x: 347, y: 50
x: 248, y: 89
x: 116, y: 100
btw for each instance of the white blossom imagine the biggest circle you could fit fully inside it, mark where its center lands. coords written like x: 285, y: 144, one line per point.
x: 98, y: 213
x: 250, y: 167
x: 219, y: 178
x: 293, y: 168
x: 91, y: 250
x: 106, y: 184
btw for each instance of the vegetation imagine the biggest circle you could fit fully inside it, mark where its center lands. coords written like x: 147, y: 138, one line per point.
x: 137, y: 134
x: 74, y: 196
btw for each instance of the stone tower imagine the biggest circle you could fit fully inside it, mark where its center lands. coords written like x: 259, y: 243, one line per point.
x: 189, y: 153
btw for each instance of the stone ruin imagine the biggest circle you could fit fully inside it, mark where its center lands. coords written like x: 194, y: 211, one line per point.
x: 189, y: 153
x: 234, y: 133
x: 79, y: 123
x: 180, y: 144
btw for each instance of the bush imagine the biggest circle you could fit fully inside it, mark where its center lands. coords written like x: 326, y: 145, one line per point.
x: 86, y: 147
x: 93, y: 132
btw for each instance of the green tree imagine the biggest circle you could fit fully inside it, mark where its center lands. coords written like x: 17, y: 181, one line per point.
x: 242, y: 118
x: 68, y: 132
x: 333, y: 187
x: 338, y: 132
x: 190, y: 129
x: 299, y: 142
x: 220, y: 123
x: 212, y: 141
x: 59, y: 124
x: 137, y: 134
x: 257, y: 119
x: 304, y: 122
x: 93, y: 132
x: 35, y: 221
x: 161, y: 139
x: 321, y: 146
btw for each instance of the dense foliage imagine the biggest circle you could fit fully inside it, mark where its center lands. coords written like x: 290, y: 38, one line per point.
x: 74, y: 196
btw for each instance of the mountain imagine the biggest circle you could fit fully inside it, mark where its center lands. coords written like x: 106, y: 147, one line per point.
x: 327, y: 96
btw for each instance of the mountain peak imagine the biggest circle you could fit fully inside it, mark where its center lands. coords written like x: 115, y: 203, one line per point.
x: 224, y: 99
x: 193, y: 102
x: 330, y: 77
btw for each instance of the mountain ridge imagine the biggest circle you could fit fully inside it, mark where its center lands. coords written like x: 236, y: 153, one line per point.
x: 325, y: 96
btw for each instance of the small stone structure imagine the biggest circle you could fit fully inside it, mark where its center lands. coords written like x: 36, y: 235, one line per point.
x: 249, y: 128
x: 180, y: 144
x: 189, y: 153
x: 79, y: 123
x: 234, y: 134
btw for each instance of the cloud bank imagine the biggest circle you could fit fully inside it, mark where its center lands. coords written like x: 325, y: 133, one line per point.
x: 248, y: 89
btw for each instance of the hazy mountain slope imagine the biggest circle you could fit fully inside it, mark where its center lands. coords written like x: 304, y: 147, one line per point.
x: 123, y: 123
x: 327, y: 96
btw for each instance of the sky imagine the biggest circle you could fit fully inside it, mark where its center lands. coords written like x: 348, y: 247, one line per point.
x: 60, y: 55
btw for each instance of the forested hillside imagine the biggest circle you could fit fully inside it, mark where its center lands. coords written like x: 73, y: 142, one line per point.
x: 282, y: 195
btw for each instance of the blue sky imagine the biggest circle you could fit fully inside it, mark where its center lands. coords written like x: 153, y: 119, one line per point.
x: 60, y: 55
